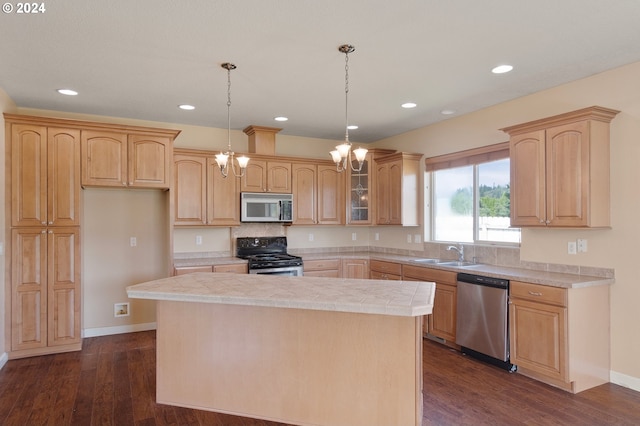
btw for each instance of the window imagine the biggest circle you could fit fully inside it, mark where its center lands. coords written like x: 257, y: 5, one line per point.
x: 470, y: 196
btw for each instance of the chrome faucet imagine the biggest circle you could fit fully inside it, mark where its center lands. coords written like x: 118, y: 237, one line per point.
x: 460, y: 251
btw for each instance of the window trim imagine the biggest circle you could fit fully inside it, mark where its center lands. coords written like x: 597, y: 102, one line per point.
x: 468, y: 157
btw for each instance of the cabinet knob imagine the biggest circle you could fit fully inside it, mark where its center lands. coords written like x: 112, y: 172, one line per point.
x: 44, y: 223
x: 50, y: 231
x: 548, y: 222
x: 51, y: 223
x: 43, y: 232
x: 124, y: 183
x: 541, y: 220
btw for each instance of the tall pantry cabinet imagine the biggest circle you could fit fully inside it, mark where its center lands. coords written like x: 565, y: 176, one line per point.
x: 47, y: 159
x: 44, y: 182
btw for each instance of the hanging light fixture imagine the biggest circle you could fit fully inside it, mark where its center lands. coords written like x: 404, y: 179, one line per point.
x: 342, y: 154
x: 223, y: 159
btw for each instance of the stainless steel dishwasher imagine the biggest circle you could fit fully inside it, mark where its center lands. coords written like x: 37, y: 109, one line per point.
x: 482, y: 319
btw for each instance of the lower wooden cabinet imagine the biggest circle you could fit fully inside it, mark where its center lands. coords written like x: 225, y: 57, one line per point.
x: 322, y: 268
x: 233, y: 268
x: 538, y: 320
x: 383, y: 270
x: 560, y: 336
x: 442, y: 322
x: 355, y: 268
x: 45, y: 290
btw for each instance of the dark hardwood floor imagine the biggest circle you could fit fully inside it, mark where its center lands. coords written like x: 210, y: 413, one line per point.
x: 112, y: 382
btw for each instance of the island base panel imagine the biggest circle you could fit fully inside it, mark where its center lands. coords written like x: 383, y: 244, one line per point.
x: 290, y: 365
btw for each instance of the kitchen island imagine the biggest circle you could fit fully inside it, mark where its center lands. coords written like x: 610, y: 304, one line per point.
x: 299, y: 350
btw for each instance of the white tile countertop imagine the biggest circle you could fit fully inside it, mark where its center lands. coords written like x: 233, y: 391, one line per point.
x: 397, y: 298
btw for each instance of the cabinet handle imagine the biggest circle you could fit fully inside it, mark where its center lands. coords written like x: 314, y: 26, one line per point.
x: 535, y: 293
x: 548, y: 222
x: 541, y: 220
x: 44, y: 223
x: 50, y: 231
x: 43, y: 232
x: 124, y: 183
x: 50, y: 223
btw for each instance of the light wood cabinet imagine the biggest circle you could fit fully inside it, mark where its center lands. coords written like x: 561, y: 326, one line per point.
x: 318, y: 194
x: 383, y: 270
x: 322, y: 268
x: 355, y: 268
x: 184, y: 270
x: 560, y: 170
x: 397, y: 189
x: 360, y: 191
x: 305, y: 194
x: 232, y: 268
x: 45, y: 290
x: 442, y: 322
x: 45, y: 176
x: 560, y: 336
x: 126, y: 159
x: 202, y: 196
x: 267, y: 176
x: 330, y: 196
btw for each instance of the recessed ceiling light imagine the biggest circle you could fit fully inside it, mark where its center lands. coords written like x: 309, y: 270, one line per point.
x: 501, y: 69
x: 187, y: 107
x: 409, y: 105
x: 352, y: 127
x: 281, y: 118
x: 448, y: 111
x: 67, y: 92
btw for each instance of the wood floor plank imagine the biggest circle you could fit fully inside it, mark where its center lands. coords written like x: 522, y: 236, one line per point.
x: 112, y: 382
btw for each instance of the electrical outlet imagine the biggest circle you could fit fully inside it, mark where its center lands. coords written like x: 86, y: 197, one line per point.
x: 571, y: 247
x: 198, y: 240
x: 133, y: 241
x: 417, y: 238
x: 354, y: 236
x: 582, y: 246
x: 376, y: 236
x: 121, y: 309
x: 310, y: 237
x: 408, y: 238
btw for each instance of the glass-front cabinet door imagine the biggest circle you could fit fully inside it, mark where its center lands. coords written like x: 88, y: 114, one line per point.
x: 359, y: 202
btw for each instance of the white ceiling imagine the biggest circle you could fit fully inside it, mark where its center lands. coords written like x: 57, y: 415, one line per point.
x: 141, y: 59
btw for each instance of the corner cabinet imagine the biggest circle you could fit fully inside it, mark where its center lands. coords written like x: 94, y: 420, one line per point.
x: 397, y: 177
x: 202, y: 196
x: 560, y: 170
x: 560, y: 335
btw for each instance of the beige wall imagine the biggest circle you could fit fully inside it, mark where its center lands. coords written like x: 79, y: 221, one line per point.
x: 611, y: 248
x: 6, y: 105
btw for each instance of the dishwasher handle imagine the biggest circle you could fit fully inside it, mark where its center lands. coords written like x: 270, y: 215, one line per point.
x: 484, y: 281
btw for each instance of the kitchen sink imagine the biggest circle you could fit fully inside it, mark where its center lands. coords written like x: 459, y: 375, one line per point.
x: 426, y: 260
x: 456, y: 263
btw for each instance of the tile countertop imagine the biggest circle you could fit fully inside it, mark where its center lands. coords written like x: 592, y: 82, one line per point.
x: 398, y: 298
x: 553, y: 279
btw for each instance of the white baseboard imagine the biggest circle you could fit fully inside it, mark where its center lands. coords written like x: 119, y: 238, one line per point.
x: 3, y: 359
x: 625, y: 380
x: 106, y: 331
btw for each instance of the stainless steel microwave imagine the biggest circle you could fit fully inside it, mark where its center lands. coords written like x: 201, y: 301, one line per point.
x: 265, y: 207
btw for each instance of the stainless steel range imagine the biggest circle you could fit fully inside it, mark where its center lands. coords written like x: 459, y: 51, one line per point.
x: 268, y: 255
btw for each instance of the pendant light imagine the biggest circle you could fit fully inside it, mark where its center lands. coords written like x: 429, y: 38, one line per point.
x: 342, y: 154
x: 222, y: 158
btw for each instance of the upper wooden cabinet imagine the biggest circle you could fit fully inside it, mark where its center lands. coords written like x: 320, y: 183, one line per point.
x: 318, y: 194
x: 202, y: 196
x: 560, y: 170
x: 267, y: 176
x: 45, y: 175
x: 397, y: 189
x: 359, y: 197
x: 129, y: 160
